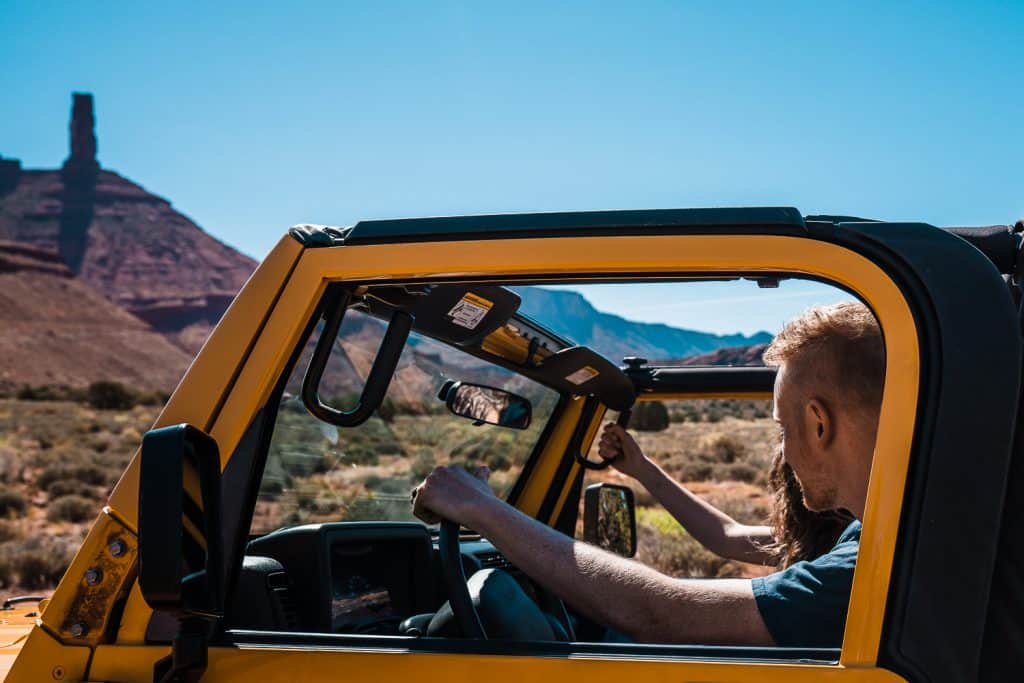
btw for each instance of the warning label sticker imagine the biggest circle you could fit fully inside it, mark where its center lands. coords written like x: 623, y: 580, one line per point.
x: 470, y: 310
x: 583, y: 375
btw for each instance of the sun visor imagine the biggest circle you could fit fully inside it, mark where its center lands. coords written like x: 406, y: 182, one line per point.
x: 464, y: 314
x: 584, y: 372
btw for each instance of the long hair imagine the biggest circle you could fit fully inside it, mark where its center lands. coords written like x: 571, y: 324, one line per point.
x: 799, y: 533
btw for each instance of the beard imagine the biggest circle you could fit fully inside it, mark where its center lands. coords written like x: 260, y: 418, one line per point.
x: 820, y: 499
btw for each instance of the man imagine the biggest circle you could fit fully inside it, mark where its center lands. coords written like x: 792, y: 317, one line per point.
x: 828, y: 393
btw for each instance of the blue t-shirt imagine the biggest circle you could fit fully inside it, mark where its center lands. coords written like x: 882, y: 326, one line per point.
x: 805, y: 604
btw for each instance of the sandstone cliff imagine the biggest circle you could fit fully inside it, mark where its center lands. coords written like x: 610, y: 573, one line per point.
x: 56, y: 330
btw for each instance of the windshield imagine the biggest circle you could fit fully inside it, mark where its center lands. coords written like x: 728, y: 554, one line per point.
x: 317, y: 472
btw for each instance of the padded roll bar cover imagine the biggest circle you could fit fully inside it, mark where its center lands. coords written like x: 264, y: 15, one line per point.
x: 997, y: 242
x: 584, y: 372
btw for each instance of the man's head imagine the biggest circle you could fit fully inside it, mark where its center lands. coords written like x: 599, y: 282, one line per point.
x: 828, y: 391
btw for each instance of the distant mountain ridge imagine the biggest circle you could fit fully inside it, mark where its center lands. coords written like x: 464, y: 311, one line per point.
x: 571, y: 315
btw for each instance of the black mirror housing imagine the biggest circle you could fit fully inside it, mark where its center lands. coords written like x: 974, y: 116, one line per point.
x: 609, y: 518
x: 180, y: 561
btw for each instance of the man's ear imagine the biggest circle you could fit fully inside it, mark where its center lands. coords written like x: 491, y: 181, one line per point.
x: 818, y: 422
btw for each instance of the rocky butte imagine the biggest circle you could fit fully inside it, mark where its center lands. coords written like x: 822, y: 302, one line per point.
x: 126, y: 243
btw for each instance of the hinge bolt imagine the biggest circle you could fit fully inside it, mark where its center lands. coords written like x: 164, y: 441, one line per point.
x: 117, y: 548
x: 93, y: 576
x: 79, y: 629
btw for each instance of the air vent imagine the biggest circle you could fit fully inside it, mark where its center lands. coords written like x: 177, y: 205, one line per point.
x: 493, y: 560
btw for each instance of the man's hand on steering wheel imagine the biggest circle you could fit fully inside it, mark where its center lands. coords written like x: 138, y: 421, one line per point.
x: 618, y: 447
x: 452, y: 493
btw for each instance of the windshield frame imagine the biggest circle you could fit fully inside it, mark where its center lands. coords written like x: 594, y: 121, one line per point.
x: 275, y: 401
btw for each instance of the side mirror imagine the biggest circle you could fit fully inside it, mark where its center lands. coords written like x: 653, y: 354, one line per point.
x: 609, y: 518
x: 489, y: 405
x: 180, y: 562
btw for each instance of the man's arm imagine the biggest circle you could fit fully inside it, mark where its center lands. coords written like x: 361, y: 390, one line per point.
x: 624, y: 594
x: 715, y: 530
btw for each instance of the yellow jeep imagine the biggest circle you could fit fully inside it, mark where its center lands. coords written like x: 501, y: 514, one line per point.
x: 216, y: 558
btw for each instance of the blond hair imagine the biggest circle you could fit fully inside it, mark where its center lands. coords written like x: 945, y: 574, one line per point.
x: 846, y: 342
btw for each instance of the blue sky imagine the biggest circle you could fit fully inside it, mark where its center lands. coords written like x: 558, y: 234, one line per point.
x: 251, y: 118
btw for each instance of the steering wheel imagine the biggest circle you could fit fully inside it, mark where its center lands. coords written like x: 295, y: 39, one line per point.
x: 492, y: 597
x: 455, y: 582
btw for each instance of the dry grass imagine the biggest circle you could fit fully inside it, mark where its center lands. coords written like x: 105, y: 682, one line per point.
x: 59, y: 459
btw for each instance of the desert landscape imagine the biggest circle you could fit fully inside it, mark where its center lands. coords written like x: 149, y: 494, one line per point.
x: 60, y: 457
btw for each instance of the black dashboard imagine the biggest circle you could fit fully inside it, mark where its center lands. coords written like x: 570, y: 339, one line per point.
x: 363, y: 577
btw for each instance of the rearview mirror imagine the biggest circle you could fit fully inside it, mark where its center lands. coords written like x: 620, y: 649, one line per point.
x: 180, y: 565
x: 609, y: 518
x: 487, y: 405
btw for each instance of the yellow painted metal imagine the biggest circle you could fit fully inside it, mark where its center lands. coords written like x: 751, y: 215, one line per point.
x: 508, y: 343
x: 15, y: 626
x: 536, y: 486
x: 201, y: 391
x: 268, y: 358
x: 286, y: 665
x: 588, y: 438
x: 233, y: 359
x: 43, y: 658
x: 134, y: 619
x: 197, y: 401
x: 110, y: 549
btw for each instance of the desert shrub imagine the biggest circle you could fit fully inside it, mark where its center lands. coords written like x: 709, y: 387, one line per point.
x: 67, y: 487
x: 9, y: 531
x: 666, y: 546
x: 415, y: 409
x: 12, y: 502
x: 649, y: 416
x: 390, y: 485
x: 70, y: 508
x: 497, y: 462
x: 696, y: 470
x: 37, y: 562
x: 271, y: 487
x: 723, y: 448
x: 684, y: 411
x: 386, y: 410
x: 738, y: 471
x: 110, y: 396
x: 153, y: 398
x: 359, y: 454
x: 370, y: 507
x: 7, y: 573
x: 422, y: 464
x: 86, y: 473
x: 744, y: 509
x: 49, y: 393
